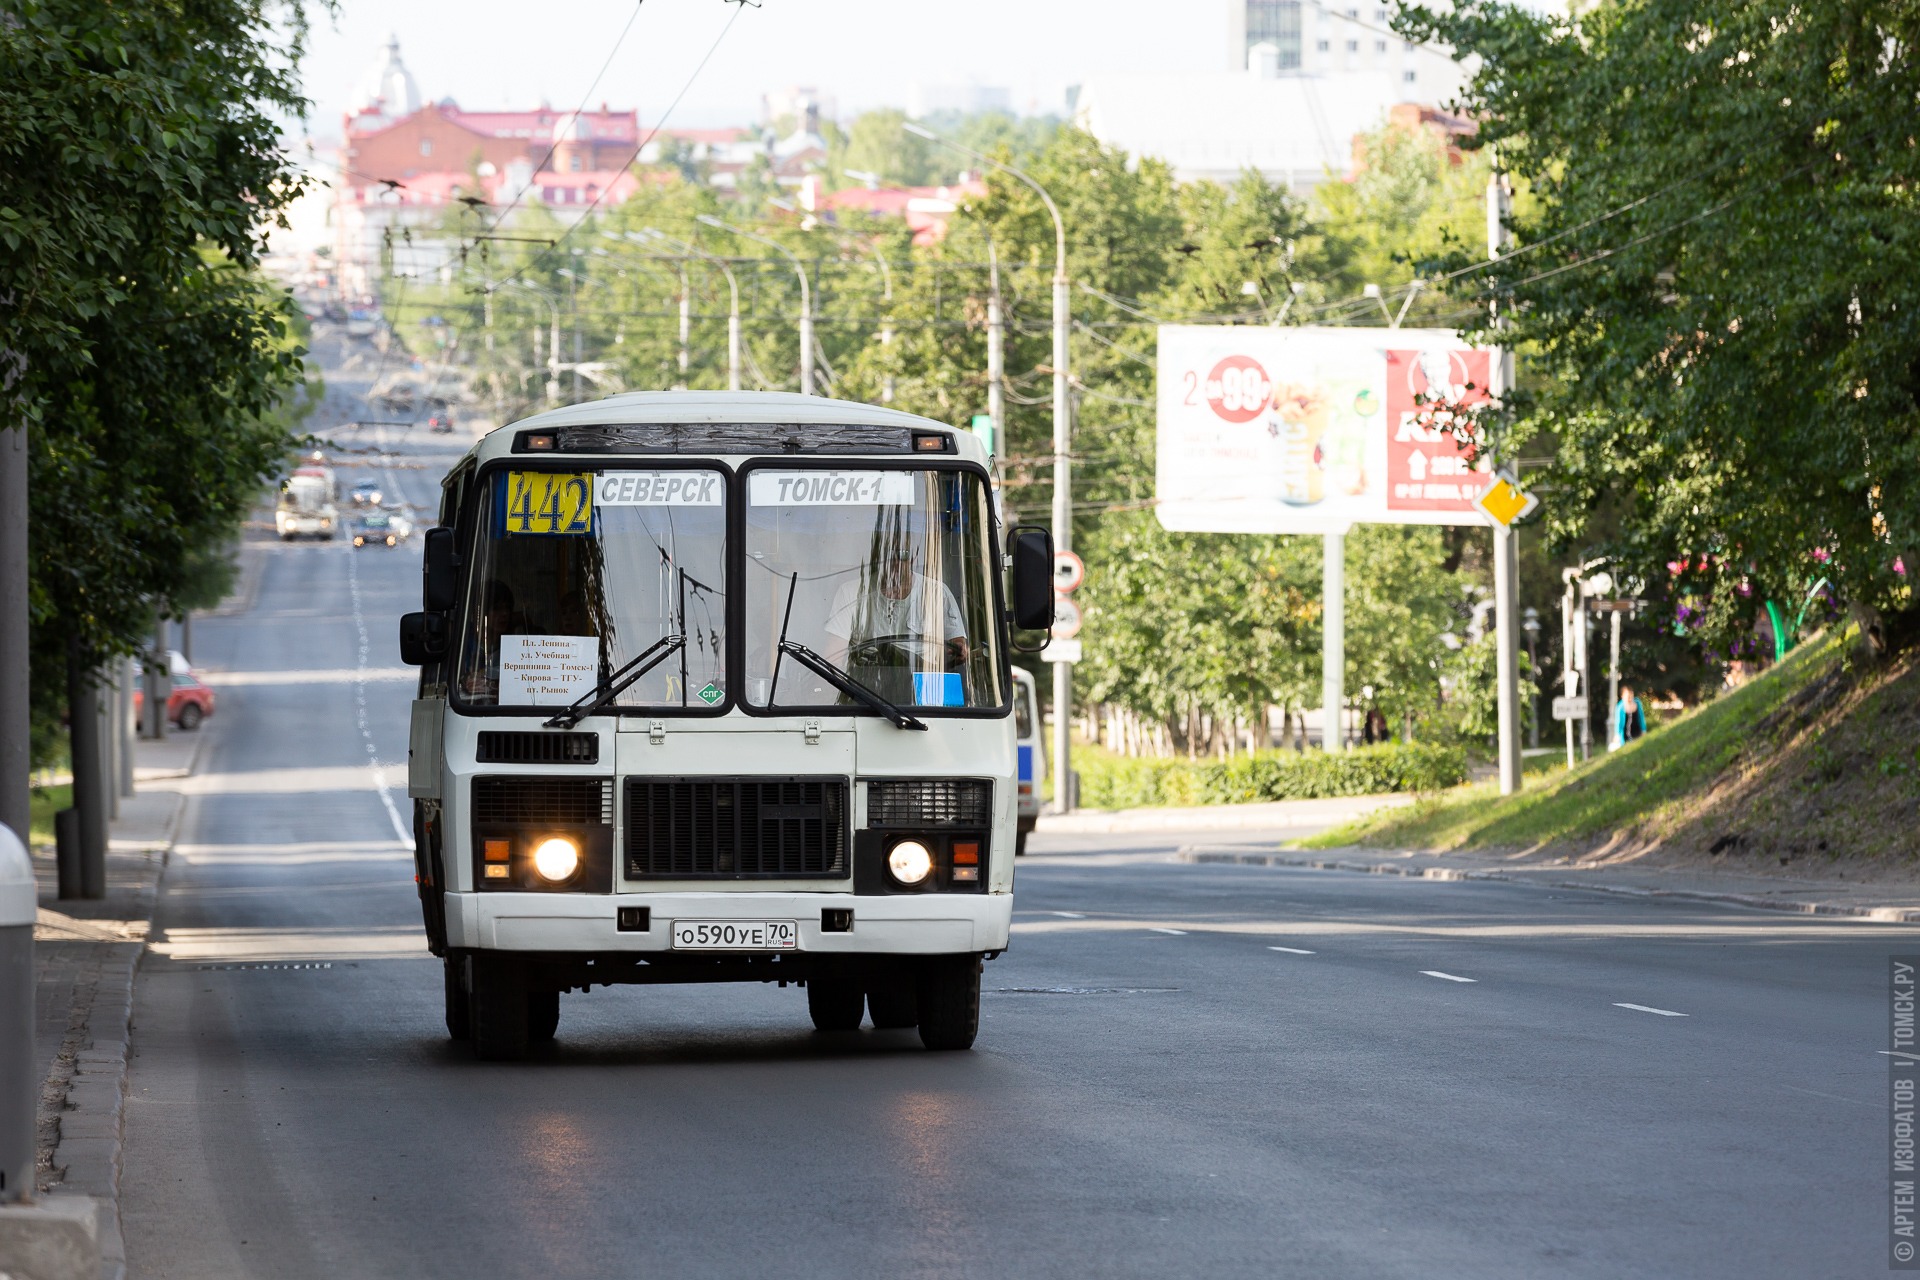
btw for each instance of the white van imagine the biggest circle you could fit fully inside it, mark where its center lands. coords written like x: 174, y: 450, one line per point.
x: 1032, y: 755
x: 715, y: 688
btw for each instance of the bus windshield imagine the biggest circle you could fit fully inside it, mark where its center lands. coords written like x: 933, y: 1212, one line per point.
x: 574, y: 574
x: 883, y: 573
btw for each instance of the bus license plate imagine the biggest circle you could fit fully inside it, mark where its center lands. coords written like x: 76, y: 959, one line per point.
x: 735, y: 935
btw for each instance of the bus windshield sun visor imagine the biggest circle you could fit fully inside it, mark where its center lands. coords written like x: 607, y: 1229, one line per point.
x: 848, y: 685
x: 601, y: 695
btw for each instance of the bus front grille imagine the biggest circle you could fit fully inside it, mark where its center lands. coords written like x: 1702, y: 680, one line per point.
x: 736, y: 828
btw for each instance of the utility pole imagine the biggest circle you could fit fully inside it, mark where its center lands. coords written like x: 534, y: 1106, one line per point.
x: 686, y: 325
x: 733, y: 299
x: 16, y: 745
x: 996, y: 352
x: 1506, y: 559
x: 1333, y: 642
x: 806, y: 294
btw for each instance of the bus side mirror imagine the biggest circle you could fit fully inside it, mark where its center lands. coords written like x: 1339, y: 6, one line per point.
x: 423, y: 638
x: 1032, y: 578
x: 438, y: 581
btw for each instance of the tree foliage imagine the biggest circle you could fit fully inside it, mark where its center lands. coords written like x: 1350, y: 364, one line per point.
x: 1721, y: 275
x: 140, y: 164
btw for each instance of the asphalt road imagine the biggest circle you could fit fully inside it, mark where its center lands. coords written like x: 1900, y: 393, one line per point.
x: 1182, y: 1070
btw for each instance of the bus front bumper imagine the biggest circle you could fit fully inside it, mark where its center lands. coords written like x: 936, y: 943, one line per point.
x: 891, y: 924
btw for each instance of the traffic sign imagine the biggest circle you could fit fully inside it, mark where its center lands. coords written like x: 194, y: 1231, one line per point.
x: 1069, y: 571
x: 1505, y: 501
x: 982, y: 425
x: 1062, y: 651
x: 1570, y: 707
x: 1066, y: 618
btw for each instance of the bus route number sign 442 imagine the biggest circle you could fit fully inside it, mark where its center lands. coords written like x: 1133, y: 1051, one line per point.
x: 548, y: 502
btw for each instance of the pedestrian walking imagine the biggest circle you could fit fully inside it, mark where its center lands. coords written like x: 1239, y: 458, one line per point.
x: 1629, y: 719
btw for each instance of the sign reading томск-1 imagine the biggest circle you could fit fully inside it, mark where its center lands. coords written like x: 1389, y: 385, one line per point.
x: 1301, y: 430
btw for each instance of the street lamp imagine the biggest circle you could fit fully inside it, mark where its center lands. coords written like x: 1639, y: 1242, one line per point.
x: 733, y: 299
x: 806, y: 294
x: 1062, y: 431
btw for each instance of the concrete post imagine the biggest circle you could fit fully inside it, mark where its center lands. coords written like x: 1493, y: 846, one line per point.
x: 1063, y: 797
x: 16, y: 744
x: 19, y: 1082
x: 1506, y: 593
x: 89, y: 787
x: 1333, y: 642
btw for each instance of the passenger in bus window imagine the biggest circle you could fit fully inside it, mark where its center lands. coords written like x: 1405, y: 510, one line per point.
x: 498, y: 617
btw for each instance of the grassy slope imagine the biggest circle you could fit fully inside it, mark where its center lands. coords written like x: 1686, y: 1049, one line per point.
x: 1812, y: 758
x: 45, y: 801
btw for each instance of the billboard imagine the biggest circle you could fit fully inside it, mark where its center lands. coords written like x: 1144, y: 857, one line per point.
x: 1302, y: 430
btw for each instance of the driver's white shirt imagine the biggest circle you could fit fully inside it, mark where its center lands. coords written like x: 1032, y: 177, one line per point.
x: 868, y: 613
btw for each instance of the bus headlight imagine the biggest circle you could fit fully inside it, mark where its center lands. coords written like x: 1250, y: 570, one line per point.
x: 556, y: 859
x: 910, y: 862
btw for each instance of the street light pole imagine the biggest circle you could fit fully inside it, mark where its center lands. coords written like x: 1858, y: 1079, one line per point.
x: 806, y: 294
x: 733, y: 303
x: 1506, y: 556
x: 1062, y: 437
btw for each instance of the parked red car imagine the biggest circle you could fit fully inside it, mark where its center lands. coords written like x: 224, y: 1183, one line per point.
x: 188, y: 704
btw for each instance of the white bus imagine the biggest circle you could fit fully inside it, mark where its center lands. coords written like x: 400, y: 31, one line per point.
x: 1030, y: 757
x: 715, y: 688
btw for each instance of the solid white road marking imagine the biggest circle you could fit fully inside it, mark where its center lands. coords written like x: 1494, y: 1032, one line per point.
x: 1643, y: 1008
x: 1067, y: 915
x: 1447, y: 977
x: 1895, y: 1053
x: 1178, y: 933
x: 400, y: 826
x: 1292, y: 951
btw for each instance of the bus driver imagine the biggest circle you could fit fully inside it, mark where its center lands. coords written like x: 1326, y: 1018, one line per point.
x: 882, y: 625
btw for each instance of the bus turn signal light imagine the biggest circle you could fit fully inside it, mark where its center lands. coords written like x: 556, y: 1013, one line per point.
x: 497, y: 850
x: 966, y: 861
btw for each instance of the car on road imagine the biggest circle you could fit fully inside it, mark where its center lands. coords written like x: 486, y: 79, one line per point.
x: 366, y: 494
x: 376, y: 529
x: 189, y: 702
x: 440, y: 422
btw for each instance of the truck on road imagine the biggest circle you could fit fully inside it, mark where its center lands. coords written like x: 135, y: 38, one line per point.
x: 308, y: 503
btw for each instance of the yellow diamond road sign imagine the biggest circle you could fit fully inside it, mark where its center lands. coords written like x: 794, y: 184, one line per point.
x: 1505, y: 501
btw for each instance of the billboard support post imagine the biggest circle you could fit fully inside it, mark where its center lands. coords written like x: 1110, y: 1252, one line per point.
x: 1333, y: 642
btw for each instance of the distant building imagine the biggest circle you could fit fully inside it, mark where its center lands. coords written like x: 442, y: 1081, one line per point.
x: 961, y: 99
x: 402, y: 166
x: 1292, y: 122
x: 925, y: 210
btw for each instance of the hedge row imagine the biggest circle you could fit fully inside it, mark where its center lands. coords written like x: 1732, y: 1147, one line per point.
x: 1119, y: 782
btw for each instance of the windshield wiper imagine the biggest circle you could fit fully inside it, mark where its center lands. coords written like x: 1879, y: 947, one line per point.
x: 597, y: 698
x: 848, y: 685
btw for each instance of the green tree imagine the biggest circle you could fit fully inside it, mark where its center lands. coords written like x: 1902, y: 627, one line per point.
x: 1721, y: 276
x: 141, y: 149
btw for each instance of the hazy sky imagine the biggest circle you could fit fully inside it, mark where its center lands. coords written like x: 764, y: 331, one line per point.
x: 500, y: 53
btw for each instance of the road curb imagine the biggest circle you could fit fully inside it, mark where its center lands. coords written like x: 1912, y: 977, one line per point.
x: 1878, y: 915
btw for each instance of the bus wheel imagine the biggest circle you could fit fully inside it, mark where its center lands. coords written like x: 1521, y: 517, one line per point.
x: 950, y: 1002
x: 543, y: 1015
x: 459, y: 1023
x: 498, y: 1005
x: 892, y: 1002
x: 835, y: 1004
x: 1020, y: 843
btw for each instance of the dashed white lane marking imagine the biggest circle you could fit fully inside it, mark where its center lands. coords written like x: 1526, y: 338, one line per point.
x: 401, y: 830
x: 1178, y: 933
x: 1292, y: 951
x: 1895, y: 1053
x: 1645, y: 1008
x: 1447, y: 977
x: 1067, y: 915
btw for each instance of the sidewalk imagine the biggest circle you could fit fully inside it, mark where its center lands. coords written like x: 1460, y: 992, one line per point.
x: 1294, y: 817
x: 1868, y: 901
x: 86, y: 953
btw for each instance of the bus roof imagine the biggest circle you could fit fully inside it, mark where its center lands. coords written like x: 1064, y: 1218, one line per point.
x: 747, y: 409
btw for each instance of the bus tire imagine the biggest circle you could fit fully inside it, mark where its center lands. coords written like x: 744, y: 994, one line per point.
x: 459, y: 1016
x: 497, y: 1007
x: 1020, y: 843
x: 950, y: 1002
x: 543, y: 1015
x: 892, y: 1001
x: 835, y: 1004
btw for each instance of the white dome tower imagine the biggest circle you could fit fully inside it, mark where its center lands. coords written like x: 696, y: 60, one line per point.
x: 388, y: 86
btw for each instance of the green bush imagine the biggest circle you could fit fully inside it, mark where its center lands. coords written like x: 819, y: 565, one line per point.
x: 1118, y: 782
